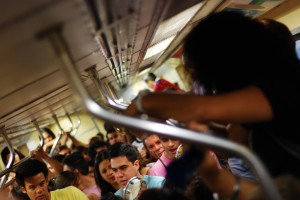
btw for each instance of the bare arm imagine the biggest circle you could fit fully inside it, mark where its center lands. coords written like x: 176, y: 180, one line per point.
x: 75, y: 141
x: 242, y: 106
x: 40, y: 154
x: 221, y: 181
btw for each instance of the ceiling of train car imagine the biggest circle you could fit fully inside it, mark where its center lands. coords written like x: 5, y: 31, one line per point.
x: 117, y: 38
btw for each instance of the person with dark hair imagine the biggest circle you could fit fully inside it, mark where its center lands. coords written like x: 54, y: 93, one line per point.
x: 124, y: 162
x: 96, y: 147
x: 104, y: 175
x: 160, y: 84
x: 65, y: 179
x: 49, y: 138
x: 256, y: 89
x: 76, y: 163
x: 5, y: 155
x: 100, y: 136
x: 32, y: 177
x: 113, y: 137
x: 64, y: 150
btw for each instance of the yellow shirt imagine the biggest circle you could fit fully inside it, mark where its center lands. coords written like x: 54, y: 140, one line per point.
x: 68, y: 193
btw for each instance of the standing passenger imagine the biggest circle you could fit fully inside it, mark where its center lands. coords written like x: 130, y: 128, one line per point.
x: 32, y: 178
x: 256, y: 88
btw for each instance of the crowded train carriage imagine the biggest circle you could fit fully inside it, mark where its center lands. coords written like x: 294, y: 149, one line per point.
x: 140, y: 99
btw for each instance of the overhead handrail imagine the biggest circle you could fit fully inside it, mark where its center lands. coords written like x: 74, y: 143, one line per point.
x: 57, y: 137
x: 10, y: 165
x: 93, y: 74
x: 61, y: 48
x: 74, y: 131
x: 40, y: 132
x: 112, y: 95
x: 11, y: 157
x: 69, y: 118
x: 94, y: 121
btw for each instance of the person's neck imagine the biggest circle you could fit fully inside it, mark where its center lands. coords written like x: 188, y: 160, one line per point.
x: 116, y: 186
x: 169, y: 155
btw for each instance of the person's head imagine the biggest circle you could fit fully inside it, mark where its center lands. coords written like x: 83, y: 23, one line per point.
x: 76, y: 163
x: 153, y: 145
x: 96, y: 147
x: 64, y: 150
x: 283, y: 34
x: 124, y: 162
x: 5, y: 155
x: 84, y: 152
x: 65, y: 179
x: 113, y: 137
x: 170, y: 146
x: 48, y: 135
x: 32, y: 176
x: 150, y: 80
x: 100, y: 136
x: 104, y: 175
x: 227, y: 51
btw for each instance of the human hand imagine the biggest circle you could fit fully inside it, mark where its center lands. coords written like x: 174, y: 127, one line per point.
x: 38, y: 153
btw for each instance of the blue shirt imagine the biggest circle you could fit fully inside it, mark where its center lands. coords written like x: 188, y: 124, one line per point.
x: 151, y: 181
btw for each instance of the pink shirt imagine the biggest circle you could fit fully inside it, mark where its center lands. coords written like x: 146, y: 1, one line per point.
x: 158, y: 169
x: 93, y: 190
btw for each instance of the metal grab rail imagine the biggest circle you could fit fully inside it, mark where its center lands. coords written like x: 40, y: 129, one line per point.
x: 93, y: 74
x: 11, y: 157
x: 61, y: 48
x: 57, y: 137
x: 10, y: 166
x: 74, y: 131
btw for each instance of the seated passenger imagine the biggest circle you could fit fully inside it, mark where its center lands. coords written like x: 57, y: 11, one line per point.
x: 124, y: 162
x: 32, y: 177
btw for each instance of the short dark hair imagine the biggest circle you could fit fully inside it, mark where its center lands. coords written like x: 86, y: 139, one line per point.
x: 30, y: 168
x: 150, y: 77
x: 76, y: 161
x: 65, y: 179
x: 94, y: 146
x: 101, y: 135
x: 123, y: 149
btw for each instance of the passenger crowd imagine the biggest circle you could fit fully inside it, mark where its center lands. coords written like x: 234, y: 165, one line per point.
x: 248, y: 72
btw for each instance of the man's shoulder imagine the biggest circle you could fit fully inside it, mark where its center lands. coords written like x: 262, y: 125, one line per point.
x: 70, y: 192
x: 154, y: 181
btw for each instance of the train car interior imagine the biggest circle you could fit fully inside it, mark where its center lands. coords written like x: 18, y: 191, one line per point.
x: 74, y: 65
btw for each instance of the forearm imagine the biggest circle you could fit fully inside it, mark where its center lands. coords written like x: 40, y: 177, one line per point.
x: 182, y: 107
x: 224, y: 183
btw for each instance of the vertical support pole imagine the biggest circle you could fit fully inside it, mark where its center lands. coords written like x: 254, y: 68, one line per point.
x: 11, y: 157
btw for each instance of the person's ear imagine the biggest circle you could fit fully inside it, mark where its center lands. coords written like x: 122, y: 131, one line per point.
x: 136, y: 164
x: 23, y: 189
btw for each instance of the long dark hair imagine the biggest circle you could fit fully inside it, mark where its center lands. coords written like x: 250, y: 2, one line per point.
x: 5, y: 152
x: 105, y: 187
x: 228, y: 51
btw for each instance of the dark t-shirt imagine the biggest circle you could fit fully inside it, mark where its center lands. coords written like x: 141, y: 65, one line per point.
x: 276, y: 142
